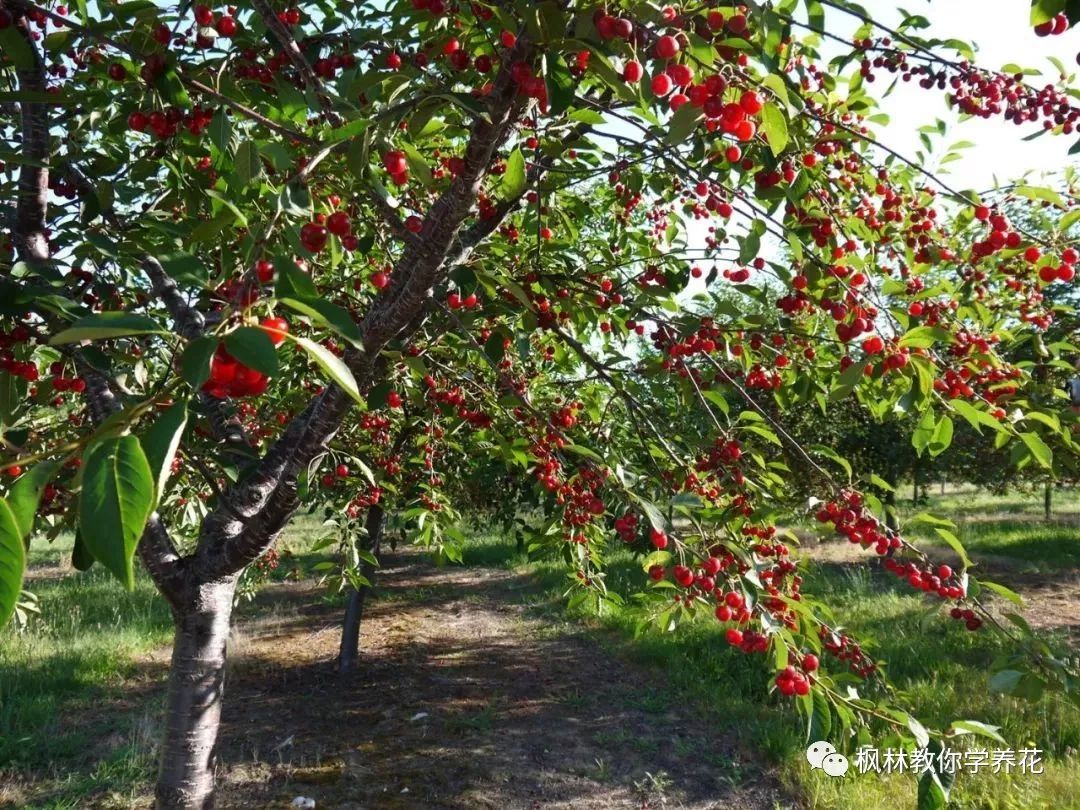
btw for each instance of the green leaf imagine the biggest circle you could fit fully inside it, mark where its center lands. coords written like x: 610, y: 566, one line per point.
x: 417, y: 165
x: 820, y: 717
x: 924, y: 433
x: 161, y: 442
x: 173, y: 89
x: 942, y: 438
x: 682, y: 123
x: 1005, y: 681
x: 982, y: 729
x: 329, y: 315
x: 12, y: 563
x: 334, y: 368
x: 514, y: 178
x: 247, y: 163
x: 956, y: 545
x: 1002, y: 591
x: 1041, y: 193
x: 975, y: 417
x: 849, y: 378
x: 774, y: 125
x: 922, y: 337
x: 292, y: 282
x: 220, y: 130
x: 252, y: 346
x: 195, y: 361
x: 105, y: 325
x: 81, y: 558
x: 1039, y: 450
x: 25, y: 494
x: 14, y: 46
x: 655, y: 516
x: 116, y: 500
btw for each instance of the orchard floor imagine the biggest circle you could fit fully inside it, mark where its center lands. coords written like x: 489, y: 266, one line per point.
x: 461, y: 700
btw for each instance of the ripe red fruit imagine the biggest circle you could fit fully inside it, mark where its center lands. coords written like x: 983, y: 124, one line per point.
x: 1032, y: 254
x: 661, y: 84
x: 395, y: 162
x: 453, y: 301
x: 117, y: 72
x: 14, y: 471
x: 414, y: 224
x: 873, y: 345
x: 1066, y: 272
x: 734, y: 637
x: 313, y: 236
x: 666, y: 47
x: 659, y: 539
x: 338, y: 223
x: 508, y: 39
x: 944, y: 572
x: 632, y: 72
x: 393, y: 61
x: 276, y: 328
x: 380, y: 280
x: 137, y: 122
x: 809, y: 663
x: 226, y: 26
x: 265, y: 271
x: 342, y: 471
x: 750, y: 102
x: 982, y: 212
x: 203, y: 15
x: 470, y: 301
x: 393, y: 399
x: 915, y: 309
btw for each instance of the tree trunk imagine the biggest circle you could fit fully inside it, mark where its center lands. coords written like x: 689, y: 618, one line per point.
x: 1047, y: 498
x: 354, y: 610
x: 890, y: 508
x: 193, y: 708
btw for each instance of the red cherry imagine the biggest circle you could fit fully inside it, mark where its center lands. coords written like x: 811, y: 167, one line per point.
x: 666, y: 47
x: 380, y: 280
x: 396, y: 162
x: 393, y: 61
x: 810, y: 663
x: 661, y: 84
x: 276, y: 328
x: 393, y: 399
x: 117, y: 72
x: 137, y: 122
x: 750, y: 102
x: 342, y: 471
x: 264, y: 270
x: 226, y: 26
x: 632, y: 72
x: 203, y: 15
x: 338, y: 223
x: 313, y: 236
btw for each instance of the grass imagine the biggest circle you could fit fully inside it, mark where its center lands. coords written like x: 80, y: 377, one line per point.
x: 1013, y: 526
x: 940, y: 669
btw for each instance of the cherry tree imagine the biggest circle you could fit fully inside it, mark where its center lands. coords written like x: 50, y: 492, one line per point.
x: 241, y: 239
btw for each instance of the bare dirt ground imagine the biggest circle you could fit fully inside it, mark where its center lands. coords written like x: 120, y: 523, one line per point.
x: 464, y: 701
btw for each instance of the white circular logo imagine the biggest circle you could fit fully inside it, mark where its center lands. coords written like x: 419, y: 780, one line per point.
x: 818, y: 751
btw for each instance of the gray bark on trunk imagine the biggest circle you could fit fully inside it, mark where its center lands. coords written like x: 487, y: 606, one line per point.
x: 193, y: 707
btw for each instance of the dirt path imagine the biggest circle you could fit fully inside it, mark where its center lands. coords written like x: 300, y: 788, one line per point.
x: 464, y: 701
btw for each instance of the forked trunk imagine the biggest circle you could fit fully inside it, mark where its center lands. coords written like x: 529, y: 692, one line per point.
x: 193, y: 710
